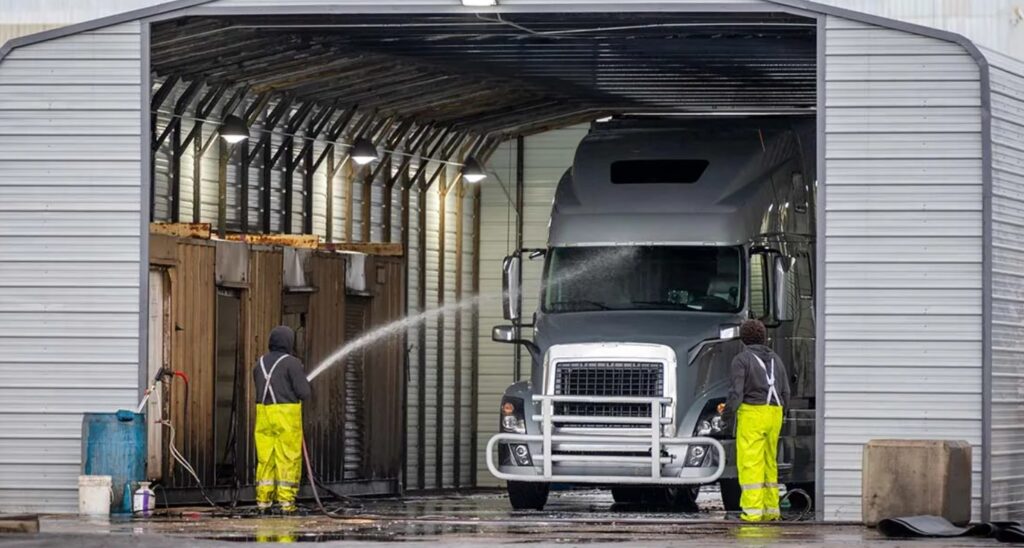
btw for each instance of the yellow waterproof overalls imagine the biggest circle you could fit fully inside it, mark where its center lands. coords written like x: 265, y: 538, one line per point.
x: 757, y: 442
x: 278, y: 446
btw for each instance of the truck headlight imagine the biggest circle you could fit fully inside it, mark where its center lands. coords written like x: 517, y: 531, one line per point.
x: 710, y: 423
x: 512, y: 415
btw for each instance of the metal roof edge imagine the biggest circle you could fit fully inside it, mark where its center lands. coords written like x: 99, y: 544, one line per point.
x: 94, y: 24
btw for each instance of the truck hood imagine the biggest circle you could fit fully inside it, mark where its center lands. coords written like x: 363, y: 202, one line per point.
x: 679, y: 330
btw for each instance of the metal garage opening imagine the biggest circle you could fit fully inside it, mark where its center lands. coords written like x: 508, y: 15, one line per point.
x: 430, y: 92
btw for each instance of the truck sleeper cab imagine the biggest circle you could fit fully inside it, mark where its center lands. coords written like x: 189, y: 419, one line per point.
x: 663, y: 238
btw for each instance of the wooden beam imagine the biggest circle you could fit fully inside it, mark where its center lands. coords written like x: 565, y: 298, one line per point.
x: 182, y: 230
x: 376, y: 249
x: 304, y: 241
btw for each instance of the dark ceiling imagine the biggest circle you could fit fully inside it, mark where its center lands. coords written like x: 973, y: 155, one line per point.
x: 506, y: 74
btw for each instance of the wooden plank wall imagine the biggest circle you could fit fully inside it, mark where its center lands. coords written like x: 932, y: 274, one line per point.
x: 193, y: 301
x: 261, y: 312
x: 384, y: 372
x: 325, y: 326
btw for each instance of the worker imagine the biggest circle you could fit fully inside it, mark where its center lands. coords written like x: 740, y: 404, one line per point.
x: 281, y: 387
x: 758, y: 393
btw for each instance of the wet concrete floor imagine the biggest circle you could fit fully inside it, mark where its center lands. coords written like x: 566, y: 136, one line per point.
x: 578, y: 518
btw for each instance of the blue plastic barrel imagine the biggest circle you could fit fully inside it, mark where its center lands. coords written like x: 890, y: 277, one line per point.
x: 114, y: 444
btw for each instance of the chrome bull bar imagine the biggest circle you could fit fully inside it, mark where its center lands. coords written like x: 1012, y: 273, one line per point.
x: 653, y: 441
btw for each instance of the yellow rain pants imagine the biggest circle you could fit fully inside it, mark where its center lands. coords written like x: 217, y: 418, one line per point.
x: 757, y: 443
x: 278, y: 453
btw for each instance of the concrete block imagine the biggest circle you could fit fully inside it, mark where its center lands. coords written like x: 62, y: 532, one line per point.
x: 904, y: 478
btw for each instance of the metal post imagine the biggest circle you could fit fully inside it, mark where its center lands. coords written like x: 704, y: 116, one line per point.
x: 421, y: 258
x: 222, y: 188
x: 442, y: 193
x: 243, y: 186
x: 520, y: 168
x: 656, y: 439
x: 289, y: 188
x: 330, y: 195
x: 546, y: 426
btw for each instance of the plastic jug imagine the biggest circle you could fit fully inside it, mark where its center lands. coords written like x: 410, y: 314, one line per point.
x: 144, y: 500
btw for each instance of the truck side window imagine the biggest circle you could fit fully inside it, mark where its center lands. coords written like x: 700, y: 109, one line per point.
x: 758, y: 287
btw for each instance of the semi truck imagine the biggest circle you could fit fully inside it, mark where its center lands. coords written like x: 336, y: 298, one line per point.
x: 664, y: 236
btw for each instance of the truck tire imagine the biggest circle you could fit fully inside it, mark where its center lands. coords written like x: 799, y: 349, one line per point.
x: 681, y: 498
x: 628, y: 495
x: 527, y: 495
x: 730, y: 489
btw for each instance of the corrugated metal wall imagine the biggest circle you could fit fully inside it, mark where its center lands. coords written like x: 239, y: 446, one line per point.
x: 903, y: 249
x: 546, y: 157
x: 991, y: 23
x: 69, y: 166
x: 1007, y: 103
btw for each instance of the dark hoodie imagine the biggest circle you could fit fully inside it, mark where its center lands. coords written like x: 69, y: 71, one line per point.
x: 289, y: 379
x: 748, y: 382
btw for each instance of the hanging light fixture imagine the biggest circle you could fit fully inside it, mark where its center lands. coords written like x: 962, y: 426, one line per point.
x: 472, y: 171
x: 234, y: 130
x: 363, y: 151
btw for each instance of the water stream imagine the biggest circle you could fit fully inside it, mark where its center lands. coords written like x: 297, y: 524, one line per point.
x: 611, y: 258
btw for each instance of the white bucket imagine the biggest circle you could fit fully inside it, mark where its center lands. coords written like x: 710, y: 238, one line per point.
x: 94, y: 495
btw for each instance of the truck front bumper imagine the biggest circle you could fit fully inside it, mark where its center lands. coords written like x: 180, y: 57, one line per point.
x: 639, y: 455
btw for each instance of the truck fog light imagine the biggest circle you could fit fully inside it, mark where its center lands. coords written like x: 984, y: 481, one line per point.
x: 522, y: 455
x: 695, y: 456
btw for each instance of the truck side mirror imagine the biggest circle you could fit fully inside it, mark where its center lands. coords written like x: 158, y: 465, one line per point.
x: 511, y: 292
x: 503, y: 334
x: 781, y: 284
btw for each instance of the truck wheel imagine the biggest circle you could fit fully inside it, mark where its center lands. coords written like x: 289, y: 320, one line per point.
x: 527, y: 495
x: 680, y: 498
x: 730, y: 489
x: 628, y: 495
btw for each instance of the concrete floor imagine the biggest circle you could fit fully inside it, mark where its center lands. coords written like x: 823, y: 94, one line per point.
x: 574, y: 518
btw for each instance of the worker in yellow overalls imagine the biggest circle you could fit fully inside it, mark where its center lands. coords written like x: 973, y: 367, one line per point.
x: 758, y: 393
x: 281, y: 387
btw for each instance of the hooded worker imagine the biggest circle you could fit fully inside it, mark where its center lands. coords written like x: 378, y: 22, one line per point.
x: 281, y: 387
x: 758, y: 393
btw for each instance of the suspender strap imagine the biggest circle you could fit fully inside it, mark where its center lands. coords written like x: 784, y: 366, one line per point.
x: 773, y: 394
x: 266, y: 377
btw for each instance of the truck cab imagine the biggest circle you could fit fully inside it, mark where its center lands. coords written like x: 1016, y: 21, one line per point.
x: 664, y: 236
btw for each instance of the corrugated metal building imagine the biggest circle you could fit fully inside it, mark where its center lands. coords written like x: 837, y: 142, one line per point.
x: 918, y: 162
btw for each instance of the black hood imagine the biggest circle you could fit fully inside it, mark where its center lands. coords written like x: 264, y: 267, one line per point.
x: 282, y: 339
x: 761, y: 351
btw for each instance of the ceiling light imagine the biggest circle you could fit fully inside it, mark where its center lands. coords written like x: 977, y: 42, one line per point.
x: 234, y: 130
x: 479, y: 3
x: 472, y: 171
x: 363, y: 151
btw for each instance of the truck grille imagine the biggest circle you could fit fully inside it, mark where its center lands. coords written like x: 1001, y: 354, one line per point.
x: 639, y: 379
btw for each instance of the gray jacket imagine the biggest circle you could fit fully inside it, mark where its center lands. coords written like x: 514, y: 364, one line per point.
x: 289, y: 379
x: 748, y: 383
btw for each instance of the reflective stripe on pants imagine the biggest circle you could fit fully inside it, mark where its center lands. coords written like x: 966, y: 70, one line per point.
x: 278, y: 439
x: 757, y: 443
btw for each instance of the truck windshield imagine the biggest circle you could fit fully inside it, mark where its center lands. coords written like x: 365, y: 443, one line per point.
x: 696, y: 278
